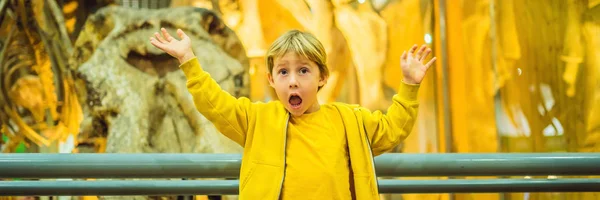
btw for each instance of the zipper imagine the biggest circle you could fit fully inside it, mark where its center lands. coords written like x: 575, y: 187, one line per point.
x: 372, y: 160
x: 284, y: 147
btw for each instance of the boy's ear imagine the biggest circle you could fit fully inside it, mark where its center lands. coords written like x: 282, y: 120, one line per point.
x: 270, y: 77
x: 322, y: 81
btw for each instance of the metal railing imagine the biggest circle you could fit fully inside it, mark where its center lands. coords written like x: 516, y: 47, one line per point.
x: 190, y: 166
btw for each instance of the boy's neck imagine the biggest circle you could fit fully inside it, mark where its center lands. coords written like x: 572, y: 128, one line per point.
x: 313, y: 108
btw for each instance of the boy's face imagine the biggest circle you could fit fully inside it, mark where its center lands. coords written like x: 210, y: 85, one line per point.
x: 296, y: 80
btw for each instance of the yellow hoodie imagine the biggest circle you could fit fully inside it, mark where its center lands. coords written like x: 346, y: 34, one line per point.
x: 261, y: 128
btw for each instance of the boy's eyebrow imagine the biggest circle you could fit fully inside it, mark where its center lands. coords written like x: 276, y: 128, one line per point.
x: 279, y: 65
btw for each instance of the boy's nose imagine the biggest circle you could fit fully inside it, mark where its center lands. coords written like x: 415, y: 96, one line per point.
x: 293, y: 82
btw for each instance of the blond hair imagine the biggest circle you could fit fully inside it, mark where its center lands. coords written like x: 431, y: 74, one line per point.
x: 302, y: 43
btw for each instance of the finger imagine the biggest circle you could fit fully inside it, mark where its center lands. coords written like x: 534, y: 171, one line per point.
x: 430, y: 63
x: 425, y: 54
x: 181, y: 34
x: 412, y: 51
x: 403, y: 57
x: 159, y: 37
x: 166, y: 34
x: 156, y: 43
x: 420, y: 52
x: 413, y: 48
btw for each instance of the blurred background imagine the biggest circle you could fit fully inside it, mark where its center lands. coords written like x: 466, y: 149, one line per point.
x: 79, y: 76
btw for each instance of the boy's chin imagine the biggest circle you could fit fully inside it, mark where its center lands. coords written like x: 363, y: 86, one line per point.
x: 295, y: 112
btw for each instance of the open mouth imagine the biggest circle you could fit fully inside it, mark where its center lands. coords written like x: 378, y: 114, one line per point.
x: 295, y: 101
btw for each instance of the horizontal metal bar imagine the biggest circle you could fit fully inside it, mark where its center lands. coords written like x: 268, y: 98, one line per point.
x: 216, y: 187
x: 119, y: 165
x: 112, y: 188
x: 488, y: 164
x: 228, y: 165
x: 489, y: 186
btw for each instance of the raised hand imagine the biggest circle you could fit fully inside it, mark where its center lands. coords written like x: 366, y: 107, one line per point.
x: 180, y: 49
x: 413, y: 67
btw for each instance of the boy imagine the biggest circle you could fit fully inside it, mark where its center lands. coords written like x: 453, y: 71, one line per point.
x: 296, y: 148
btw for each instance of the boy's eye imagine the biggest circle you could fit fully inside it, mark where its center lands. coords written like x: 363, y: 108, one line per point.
x: 304, y: 71
x: 283, y: 72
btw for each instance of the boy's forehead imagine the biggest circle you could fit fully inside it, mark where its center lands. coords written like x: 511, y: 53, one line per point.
x: 291, y: 56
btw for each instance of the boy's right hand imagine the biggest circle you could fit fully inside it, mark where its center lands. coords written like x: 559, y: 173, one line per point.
x: 180, y: 49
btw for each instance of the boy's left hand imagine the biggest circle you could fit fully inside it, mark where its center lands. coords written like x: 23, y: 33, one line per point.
x: 412, y: 65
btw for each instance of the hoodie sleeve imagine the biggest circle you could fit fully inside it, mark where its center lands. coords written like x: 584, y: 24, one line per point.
x: 385, y: 131
x: 230, y: 115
